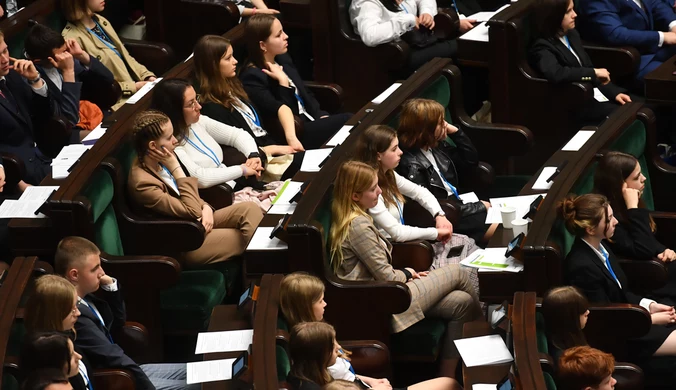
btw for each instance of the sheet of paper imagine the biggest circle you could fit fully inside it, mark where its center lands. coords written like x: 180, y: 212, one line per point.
x: 486, y: 15
x: 209, y: 371
x: 522, y: 204
x: 479, y: 33
x: 60, y: 171
x: 541, y: 182
x: 578, y: 140
x: 340, y: 136
x: 484, y: 350
x: 143, y: 91
x: 261, y: 241
x: 493, y: 259
x: 599, y: 96
x: 69, y: 154
x: 228, y: 341
x: 288, y: 191
x: 313, y: 158
x: 484, y: 386
x: 389, y: 91
x: 282, y: 209
x: 38, y: 193
x: 469, y: 197
x: 11, y: 208
x: 94, y: 135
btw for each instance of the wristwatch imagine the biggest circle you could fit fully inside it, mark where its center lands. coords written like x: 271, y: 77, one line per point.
x: 440, y: 214
x: 31, y: 82
x: 254, y: 155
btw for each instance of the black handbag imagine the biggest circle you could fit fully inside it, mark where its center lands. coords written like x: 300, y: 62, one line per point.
x: 420, y: 38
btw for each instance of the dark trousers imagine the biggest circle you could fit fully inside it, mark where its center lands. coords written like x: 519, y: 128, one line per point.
x: 317, y: 132
x: 420, y: 56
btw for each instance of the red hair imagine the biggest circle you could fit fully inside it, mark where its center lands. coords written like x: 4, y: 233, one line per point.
x: 581, y: 367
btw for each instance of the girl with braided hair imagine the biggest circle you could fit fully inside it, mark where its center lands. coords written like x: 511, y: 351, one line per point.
x: 158, y: 183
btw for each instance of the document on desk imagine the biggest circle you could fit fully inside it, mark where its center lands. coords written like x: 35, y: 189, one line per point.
x: 485, y: 16
x: 521, y: 203
x: 143, y: 91
x: 469, y: 197
x: 66, y: 158
x: 541, y: 182
x: 492, y: 259
x: 94, y: 135
x: 29, y: 202
x: 282, y: 204
x: 386, y: 93
x: 599, y: 96
x: 261, y: 241
x: 313, y: 158
x: 484, y: 350
x: 340, y: 136
x: 226, y: 341
x: 578, y: 141
x: 209, y: 371
x: 479, y: 33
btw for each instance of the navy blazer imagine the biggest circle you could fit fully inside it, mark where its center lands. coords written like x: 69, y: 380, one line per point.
x: 93, y: 337
x: 623, y: 22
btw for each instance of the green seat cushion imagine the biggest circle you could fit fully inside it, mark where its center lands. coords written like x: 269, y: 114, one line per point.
x: 188, y: 305
x: 283, y: 363
x: 281, y: 323
x: 420, y: 340
x: 540, y: 332
x: 232, y: 272
x: 549, y: 381
x: 9, y: 382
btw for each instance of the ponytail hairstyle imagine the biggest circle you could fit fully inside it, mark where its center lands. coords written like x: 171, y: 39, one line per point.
x: 418, y: 122
x: 613, y: 169
x: 391, y: 5
x: 168, y: 98
x: 583, y: 212
x: 353, y: 177
x: 377, y: 139
x: 562, y: 308
x: 311, y: 346
x: 147, y: 127
x: 257, y: 29
x: 298, y: 292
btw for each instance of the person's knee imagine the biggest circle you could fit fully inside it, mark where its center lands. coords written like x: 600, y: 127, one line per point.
x: 465, y: 306
x: 251, y: 211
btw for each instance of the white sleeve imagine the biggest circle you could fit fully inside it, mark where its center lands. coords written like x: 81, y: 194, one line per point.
x: 207, y: 177
x: 398, y: 232
x: 645, y: 303
x: 373, y: 30
x: 418, y: 193
x: 427, y: 7
x: 229, y: 135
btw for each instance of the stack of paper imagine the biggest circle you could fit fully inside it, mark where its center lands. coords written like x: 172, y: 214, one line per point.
x: 340, y: 136
x: 227, y: 341
x: 521, y: 203
x: 261, y: 241
x: 479, y: 33
x: 94, y: 136
x: 66, y: 158
x: 386, y: 93
x: 492, y: 259
x: 143, y: 91
x: 484, y: 350
x: 578, y: 141
x: 29, y: 202
x: 541, y: 182
x: 282, y: 203
x: 485, y: 16
x: 209, y: 371
x: 313, y: 158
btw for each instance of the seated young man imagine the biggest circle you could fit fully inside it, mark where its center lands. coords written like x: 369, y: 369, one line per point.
x: 65, y: 67
x: 77, y: 259
x: 585, y: 368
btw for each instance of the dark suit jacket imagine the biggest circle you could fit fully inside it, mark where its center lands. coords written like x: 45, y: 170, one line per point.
x: 585, y: 270
x: 18, y: 128
x: 93, y: 336
x: 634, y: 239
x: 268, y: 96
x: 553, y: 59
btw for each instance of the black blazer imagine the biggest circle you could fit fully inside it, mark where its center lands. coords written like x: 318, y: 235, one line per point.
x: 219, y: 112
x: 634, y: 239
x: 585, y: 270
x: 93, y: 337
x: 557, y: 64
x: 268, y: 96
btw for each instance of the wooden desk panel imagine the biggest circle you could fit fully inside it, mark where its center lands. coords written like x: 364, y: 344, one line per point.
x: 660, y: 84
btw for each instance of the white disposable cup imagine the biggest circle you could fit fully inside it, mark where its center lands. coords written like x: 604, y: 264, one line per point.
x: 520, y: 226
x: 508, y: 215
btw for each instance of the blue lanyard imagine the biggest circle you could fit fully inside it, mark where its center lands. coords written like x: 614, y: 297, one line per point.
x: 171, y: 176
x: 405, y: 10
x: 91, y: 308
x: 300, y: 100
x: 401, y: 211
x: 453, y: 190
x: 254, y: 119
x: 456, y: 7
x: 565, y: 38
x: 111, y: 47
x: 211, y: 154
x: 348, y: 363
x: 89, y: 383
x: 610, y: 268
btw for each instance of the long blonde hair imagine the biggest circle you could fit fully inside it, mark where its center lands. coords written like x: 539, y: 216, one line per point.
x: 353, y: 177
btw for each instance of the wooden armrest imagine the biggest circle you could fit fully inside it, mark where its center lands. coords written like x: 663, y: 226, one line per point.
x: 620, y: 61
x: 112, y: 379
x: 158, y: 57
x: 11, y: 366
x: 629, y: 376
x: 547, y: 363
x: 644, y: 275
x: 134, y: 340
x: 479, y: 179
x: 132, y: 272
x: 386, y: 297
x: 446, y: 24
x: 157, y: 229
x: 369, y: 357
x: 414, y: 254
x: 218, y: 196
x: 43, y: 268
x: 329, y: 96
x: 603, y: 333
x: 666, y: 227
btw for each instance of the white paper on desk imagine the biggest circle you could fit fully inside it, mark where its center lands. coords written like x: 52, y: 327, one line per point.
x: 69, y: 154
x: 313, y: 158
x: 94, y: 135
x: 143, y: 91
x: 521, y: 203
x: 209, y: 371
x: 578, y: 140
x: 484, y: 386
x: 484, y: 350
x: 599, y: 96
x: 492, y: 259
x: 38, y: 193
x: 340, y: 136
x: 60, y: 171
x: 261, y: 241
x: 282, y: 209
x: 288, y: 191
x: 479, y: 33
x: 12, y: 208
x: 227, y: 341
x: 384, y: 95
x: 541, y: 182
x: 469, y: 197
x: 485, y: 15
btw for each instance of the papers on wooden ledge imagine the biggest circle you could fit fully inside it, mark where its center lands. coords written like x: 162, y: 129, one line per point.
x: 492, y: 259
x: 227, y: 341
x: 484, y: 350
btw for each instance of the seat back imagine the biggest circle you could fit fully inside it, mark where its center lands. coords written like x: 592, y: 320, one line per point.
x: 46, y: 12
x: 106, y: 233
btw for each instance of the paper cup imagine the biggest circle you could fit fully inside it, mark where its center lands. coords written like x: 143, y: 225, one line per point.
x: 520, y: 226
x: 508, y: 215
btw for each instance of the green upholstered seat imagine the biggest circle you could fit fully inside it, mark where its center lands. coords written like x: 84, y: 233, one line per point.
x: 9, y: 382
x: 540, y: 332
x: 549, y: 381
x: 281, y: 323
x: 15, y: 44
x: 283, y: 363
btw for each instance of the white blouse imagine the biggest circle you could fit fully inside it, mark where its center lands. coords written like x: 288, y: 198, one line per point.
x: 375, y: 24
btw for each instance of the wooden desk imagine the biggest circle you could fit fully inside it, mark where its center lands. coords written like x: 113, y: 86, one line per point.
x: 660, y: 84
x: 473, y: 53
x: 223, y: 318
x: 481, y: 374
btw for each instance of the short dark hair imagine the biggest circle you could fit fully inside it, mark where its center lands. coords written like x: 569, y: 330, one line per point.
x: 43, y: 378
x: 548, y: 16
x: 168, y: 99
x: 41, y: 42
x: 45, y: 350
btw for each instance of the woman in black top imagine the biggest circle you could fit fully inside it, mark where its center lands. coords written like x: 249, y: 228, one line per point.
x: 55, y: 350
x: 277, y: 90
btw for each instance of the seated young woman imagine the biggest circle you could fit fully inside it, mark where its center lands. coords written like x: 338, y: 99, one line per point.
x: 360, y: 252
x: 565, y: 311
x: 224, y: 99
x: 55, y: 350
x: 301, y: 299
x: 559, y: 56
x: 158, y: 183
x: 277, y: 90
x: 592, y: 267
x: 429, y: 161
x: 97, y: 37
x: 378, y: 146
x: 200, y: 137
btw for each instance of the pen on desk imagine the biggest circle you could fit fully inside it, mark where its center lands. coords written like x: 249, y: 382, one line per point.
x: 558, y: 170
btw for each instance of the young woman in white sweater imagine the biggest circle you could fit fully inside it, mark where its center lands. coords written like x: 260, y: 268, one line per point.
x: 378, y: 146
x: 200, y: 137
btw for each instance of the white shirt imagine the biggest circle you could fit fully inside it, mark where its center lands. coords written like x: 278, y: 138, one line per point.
x: 375, y: 24
x: 111, y: 288
x: 207, y: 135
x: 83, y: 372
x: 388, y: 219
x: 341, y: 370
x: 168, y: 178
x: 249, y: 116
x: 301, y: 107
x: 55, y: 76
x: 645, y: 302
x: 430, y: 157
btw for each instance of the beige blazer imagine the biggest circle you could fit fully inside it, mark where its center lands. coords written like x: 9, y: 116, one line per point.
x: 148, y: 190
x: 95, y: 47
